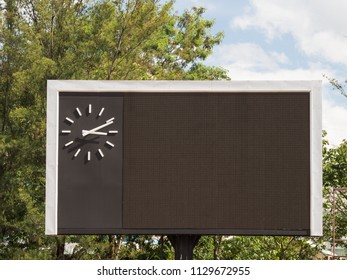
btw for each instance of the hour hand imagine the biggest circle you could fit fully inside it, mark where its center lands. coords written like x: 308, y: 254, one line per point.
x: 87, y: 132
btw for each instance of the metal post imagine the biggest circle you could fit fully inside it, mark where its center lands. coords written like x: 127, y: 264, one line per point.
x: 184, y: 245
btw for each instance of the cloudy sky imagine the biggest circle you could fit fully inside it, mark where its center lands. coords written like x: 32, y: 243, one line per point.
x: 288, y: 40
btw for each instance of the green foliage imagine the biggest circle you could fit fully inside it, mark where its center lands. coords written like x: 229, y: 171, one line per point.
x: 198, y: 71
x: 204, y: 249
x: 337, y: 85
x: 183, y: 41
x: 335, y: 177
x: 269, y: 248
x: 256, y: 248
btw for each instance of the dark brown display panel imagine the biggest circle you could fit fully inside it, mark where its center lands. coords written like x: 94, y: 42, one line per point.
x: 217, y: 162
x: 189, y: 163
x: 89, y: 191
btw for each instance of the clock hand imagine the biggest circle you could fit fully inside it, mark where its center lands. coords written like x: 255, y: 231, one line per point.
x: 86, y: 132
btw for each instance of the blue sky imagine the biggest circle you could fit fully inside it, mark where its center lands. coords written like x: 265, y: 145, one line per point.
x: 284, y: 40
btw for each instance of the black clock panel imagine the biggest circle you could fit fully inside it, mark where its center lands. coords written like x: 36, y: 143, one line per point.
x: 90, y: 161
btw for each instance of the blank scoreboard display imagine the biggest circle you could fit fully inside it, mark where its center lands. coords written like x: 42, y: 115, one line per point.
x: 184, y: 157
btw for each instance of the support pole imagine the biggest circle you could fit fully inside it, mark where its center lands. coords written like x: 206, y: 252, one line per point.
x: 184, y: 245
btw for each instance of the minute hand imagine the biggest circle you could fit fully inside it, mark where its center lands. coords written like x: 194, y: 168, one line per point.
x: 86, y: 132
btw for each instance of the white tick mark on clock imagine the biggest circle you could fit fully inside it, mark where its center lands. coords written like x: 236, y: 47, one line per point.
x: 113, y: 131
x: 101, y: 154
x: 76, y: 154
x: 110, y: 120
x: 69, y: 120
x: 110, y: 144
x: 68, y: 143
x: 88, y: 156
x: 66, y: 131
x: 90, y: 109
x: 101, y: 111
x: 78, y: 112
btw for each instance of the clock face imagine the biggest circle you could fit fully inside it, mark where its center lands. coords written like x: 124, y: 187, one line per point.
x: 89, y: 131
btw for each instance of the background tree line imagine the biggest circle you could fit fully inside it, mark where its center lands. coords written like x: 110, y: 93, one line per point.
x: 108, y: 40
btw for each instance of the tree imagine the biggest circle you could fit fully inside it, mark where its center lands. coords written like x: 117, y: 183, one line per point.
x: 334, y: 177
x: 64, y: 39
x: 269, y: 248
x: 337, y: 85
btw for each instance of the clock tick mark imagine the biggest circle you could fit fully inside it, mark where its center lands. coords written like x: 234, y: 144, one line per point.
x: 113, y: 131
x: 76, y: 154
x: 68, y: 143
x: 89, y: 108
x: 78, y: 112
x: 101, y: 153
x: 101, y: 111
x: 110, y: 144
x: 69, y: 120
x: 88, y: 156
x: 66, y: 131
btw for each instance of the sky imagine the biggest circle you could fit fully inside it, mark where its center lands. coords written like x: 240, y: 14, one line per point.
x: 284, y: 40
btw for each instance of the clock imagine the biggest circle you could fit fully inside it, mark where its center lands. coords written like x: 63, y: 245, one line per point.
x: 88, y: 133
x: 90, y: 160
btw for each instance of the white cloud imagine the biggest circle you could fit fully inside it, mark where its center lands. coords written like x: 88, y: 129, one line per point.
x: 280, y: 57
x: 318, y: 26
x: 248, y: 61
x: 248, y: 56
x: 281, y: 74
